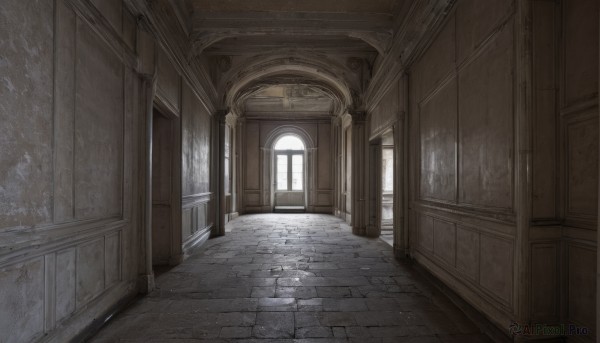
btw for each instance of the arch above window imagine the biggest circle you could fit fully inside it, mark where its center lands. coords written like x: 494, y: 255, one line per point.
x: 289, y: 142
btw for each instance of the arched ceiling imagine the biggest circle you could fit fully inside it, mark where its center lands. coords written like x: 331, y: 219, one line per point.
x: 291, y: 57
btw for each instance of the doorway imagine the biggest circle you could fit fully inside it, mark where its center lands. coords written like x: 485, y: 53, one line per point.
x: 289, y: 174
x: 387, y: 188
x: 163, y: 186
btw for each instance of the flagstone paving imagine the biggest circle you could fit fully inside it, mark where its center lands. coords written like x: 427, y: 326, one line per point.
x: 292, y: 278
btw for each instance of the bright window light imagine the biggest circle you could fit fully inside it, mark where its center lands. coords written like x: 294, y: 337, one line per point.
x: 289, y: 143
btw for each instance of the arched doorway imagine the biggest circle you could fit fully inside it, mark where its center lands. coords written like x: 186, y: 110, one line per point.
x: 289, y: 157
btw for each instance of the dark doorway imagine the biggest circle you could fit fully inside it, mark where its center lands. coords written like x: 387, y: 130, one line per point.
x: 162, y: 189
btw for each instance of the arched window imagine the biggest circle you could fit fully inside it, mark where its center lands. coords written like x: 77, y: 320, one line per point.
x: 289, y: 142
x: 289, y: 163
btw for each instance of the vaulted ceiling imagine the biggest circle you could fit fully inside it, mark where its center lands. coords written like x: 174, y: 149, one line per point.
x: 325, y: 49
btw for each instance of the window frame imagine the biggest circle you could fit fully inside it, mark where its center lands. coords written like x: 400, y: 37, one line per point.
x: 289, y: 154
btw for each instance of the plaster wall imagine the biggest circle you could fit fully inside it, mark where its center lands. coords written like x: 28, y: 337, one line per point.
x: 462, y: 126
x: 193, y: 131
x: 386, y: 112
x: 70, y: 111
x: 198, y: 194
x: 76, y: 84
x: 565, y: 162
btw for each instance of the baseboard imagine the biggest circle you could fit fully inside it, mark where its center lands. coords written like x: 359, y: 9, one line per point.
x: 197, y: 239
x: 98, y: 323
x: 486, y: 326
x: 88, y: 320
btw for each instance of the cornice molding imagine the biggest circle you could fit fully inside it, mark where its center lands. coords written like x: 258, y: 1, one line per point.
x: 172, y: 38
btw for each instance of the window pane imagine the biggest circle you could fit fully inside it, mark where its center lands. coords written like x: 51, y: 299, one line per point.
x: 282, y: 172
x: 297, y: 172
x: 289, y: 143
x: 226, y: 175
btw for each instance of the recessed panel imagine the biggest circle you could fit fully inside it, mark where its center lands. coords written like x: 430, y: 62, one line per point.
x: 467, y: 252
x: 580, y: 49
x: 476, y: 21
x: 22, y: 299
x: 438, y: 145
x: 496, y: 268
x: 26, y: 93
x: 444, y: 241
x: 98, y: 128
x: 426, y: 232
x: 582, y: 167
x: 582, y: 285
x: 113, y: 259
x: 486, y: 126
x: 65, y: 283
x: 90, y: 271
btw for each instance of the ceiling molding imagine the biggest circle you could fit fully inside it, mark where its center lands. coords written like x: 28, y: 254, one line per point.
x: 160, y: 19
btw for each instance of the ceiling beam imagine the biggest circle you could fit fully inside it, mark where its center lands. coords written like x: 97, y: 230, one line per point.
x: 212, y: 27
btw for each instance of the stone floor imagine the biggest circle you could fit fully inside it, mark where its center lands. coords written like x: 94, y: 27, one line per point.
x: 292, y: 278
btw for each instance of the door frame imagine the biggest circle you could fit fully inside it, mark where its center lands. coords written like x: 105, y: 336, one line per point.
x: 176, y: 250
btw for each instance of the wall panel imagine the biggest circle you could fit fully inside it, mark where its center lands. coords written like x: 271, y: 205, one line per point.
x: 580, y: 33
x: 324, y: 158
x: 386, y: 112
x: 90, y: 271
x: 467, y: 252
x: 63, y: 262
x: 545, y: 295
x: 486, y: 125
x: 98, y: 127
x: 582, y: 167
x: 252, y: 156
x: 444, y: 241
x: 581, y: 295
x: 437, y: 126
x: 112, y: 10
x: 22, y: 299
x: 437, y: 63
x: 168, y: 87
x: 65, y: 283
x: 462, y: 91
x: 496, y: 267
x: 476, y: 22
x: 27, y: 71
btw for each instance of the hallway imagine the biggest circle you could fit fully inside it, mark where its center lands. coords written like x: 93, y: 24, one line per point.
x: 292, y: 276
x: 431, y: 149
